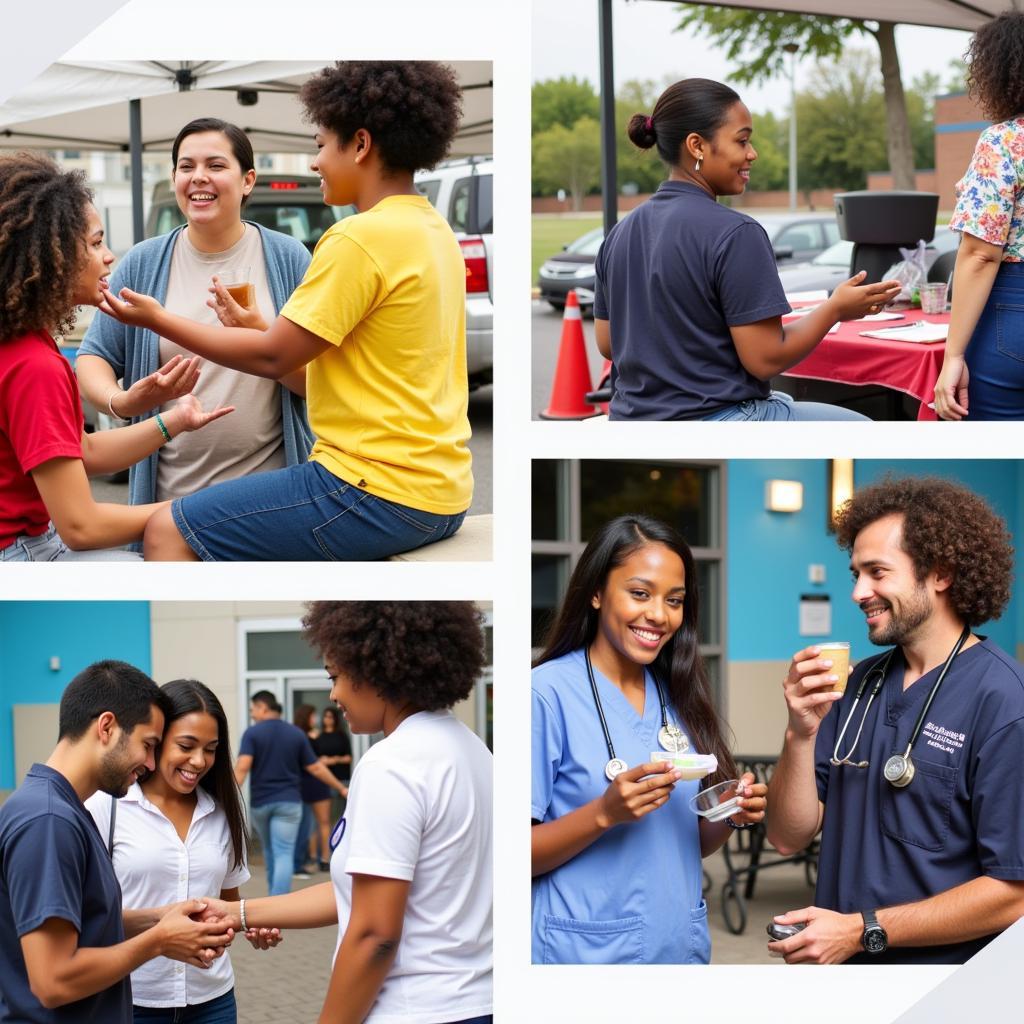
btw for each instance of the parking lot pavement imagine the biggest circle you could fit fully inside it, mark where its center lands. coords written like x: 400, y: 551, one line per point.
x: 546, y: 334
x: 480, y: 444
x: 779, y: 888
x: 285, y: 985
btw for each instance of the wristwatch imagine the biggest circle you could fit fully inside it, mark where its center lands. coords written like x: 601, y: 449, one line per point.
x: 874, y: 940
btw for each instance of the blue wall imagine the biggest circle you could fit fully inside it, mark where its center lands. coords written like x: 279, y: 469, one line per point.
x: 79, y: 633
x: 769, y: 552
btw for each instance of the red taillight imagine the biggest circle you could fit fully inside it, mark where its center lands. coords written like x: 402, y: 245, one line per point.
x: 475, y: 255
x: 284, y: 186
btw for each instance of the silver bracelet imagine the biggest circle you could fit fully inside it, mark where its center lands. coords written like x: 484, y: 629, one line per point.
x: 110, y: 404
x: 241, y: 914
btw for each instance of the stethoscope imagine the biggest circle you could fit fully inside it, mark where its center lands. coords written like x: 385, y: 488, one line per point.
x: 899, y: 770
x: 670, y: 736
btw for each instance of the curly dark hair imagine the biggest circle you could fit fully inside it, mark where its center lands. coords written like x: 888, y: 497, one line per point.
x: 425, y: 653
x: 946, y: 528
x: 42, y: 243
x: 411, y: 108
x: 996, y: 66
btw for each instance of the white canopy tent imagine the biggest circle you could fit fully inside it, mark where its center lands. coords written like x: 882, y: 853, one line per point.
x: 132, y: 106
x: 957, y: 14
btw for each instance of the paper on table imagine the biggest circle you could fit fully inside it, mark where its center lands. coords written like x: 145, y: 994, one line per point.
x: 819, y: 295
x: 879, y: 316
x: 918, y: 333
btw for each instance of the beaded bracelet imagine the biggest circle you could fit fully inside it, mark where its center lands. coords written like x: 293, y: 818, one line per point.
x: 163, y: 428
x: 241, y: 915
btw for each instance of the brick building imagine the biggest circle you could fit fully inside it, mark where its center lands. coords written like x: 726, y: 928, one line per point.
x: 958, y: 123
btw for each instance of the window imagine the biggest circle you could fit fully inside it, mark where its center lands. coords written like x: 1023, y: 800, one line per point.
x: 572, y: 499
x: 798, y: 238
x: 458, y: 206
x: 430, y: 189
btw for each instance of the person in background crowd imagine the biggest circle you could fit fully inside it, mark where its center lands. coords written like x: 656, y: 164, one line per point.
x: 278, y: 755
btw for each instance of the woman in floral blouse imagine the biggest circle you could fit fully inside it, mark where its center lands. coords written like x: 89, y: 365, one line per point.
x: 985, y: 349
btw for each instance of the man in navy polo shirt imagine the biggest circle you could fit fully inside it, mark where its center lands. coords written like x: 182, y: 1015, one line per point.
x: 277, y: 753
x: 64, y: 956
x: 922, y: 845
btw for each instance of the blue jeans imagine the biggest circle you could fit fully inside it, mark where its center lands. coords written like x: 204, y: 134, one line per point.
x: 301, y: 514
x: 221, y: 1010
x: 995, y: 355
x: 779, y: 406
x: 306, y: 827
x: 277, y: 825
x: 48, y: 547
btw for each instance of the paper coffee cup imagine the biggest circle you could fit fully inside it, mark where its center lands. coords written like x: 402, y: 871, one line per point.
x: 838, y: 651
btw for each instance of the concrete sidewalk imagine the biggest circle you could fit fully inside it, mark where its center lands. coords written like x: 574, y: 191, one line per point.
x: 285, y: 985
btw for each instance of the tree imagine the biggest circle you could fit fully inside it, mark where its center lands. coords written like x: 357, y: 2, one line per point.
x: 756, y: 39
x: 641, y: 167
x: 771, y: 140
x: 568, y: 158
x: 562, y: 101
x: 842, y: 126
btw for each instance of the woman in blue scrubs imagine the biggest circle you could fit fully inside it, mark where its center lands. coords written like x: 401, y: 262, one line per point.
x: 616, y: 849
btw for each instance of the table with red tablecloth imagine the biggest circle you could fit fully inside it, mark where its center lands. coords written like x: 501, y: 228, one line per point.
x: 847, y: 358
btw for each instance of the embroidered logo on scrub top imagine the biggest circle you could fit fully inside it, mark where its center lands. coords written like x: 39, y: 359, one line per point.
x: 941, y: 738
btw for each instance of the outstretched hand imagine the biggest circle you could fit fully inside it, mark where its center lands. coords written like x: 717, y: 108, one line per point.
x: 187, y: 415
x: 855, y: 299
x: 132, y: 308
x: 177, y: 377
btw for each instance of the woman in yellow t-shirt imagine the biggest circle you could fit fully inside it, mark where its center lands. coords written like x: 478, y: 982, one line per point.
x: 379, y: 323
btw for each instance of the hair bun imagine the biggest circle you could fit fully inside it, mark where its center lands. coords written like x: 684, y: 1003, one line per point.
x: 641, y: 131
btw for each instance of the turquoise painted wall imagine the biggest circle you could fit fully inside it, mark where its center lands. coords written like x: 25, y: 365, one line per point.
x: 79, y: 633
x: 769, y: 552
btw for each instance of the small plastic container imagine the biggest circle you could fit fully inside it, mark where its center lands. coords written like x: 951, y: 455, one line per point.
x: 691, y: 766
x: 718, y: 802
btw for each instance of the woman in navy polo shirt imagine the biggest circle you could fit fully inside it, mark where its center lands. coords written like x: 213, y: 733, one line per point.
x: 688, y: 301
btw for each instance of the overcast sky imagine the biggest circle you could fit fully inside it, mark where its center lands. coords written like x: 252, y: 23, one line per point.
x: 565, y: 43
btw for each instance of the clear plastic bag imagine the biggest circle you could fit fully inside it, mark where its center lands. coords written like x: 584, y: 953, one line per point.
x: 911, y: 272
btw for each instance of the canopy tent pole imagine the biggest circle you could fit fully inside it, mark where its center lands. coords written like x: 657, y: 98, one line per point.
x: 135, y: 150
x: 609, y: 183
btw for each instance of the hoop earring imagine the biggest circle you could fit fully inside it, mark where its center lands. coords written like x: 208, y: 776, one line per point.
x: 696, y: 166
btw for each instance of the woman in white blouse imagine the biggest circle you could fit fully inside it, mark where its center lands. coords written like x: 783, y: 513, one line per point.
x: 180, y: 834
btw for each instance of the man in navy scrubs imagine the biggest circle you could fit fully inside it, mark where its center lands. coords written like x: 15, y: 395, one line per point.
x: 64, y: 956
x: 926, y: 870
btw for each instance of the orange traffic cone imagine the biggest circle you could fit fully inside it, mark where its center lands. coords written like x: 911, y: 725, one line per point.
x: 572, y: 374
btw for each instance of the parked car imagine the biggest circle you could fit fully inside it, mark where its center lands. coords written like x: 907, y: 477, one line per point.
x: 462, y: 190
x: 794, y: 237
x: 573, y: 267
x: 290, y: 203
x: 832, y: 267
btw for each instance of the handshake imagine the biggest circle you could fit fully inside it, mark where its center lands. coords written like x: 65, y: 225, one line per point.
x: 197, y: 932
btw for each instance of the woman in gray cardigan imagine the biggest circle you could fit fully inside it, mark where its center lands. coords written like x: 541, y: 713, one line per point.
x: 213, y: 173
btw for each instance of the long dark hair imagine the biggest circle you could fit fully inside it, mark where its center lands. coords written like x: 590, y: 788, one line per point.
x: 185, y: 696
x: 303, y: 717
x: 335, y: 719
x: 679, y: 666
